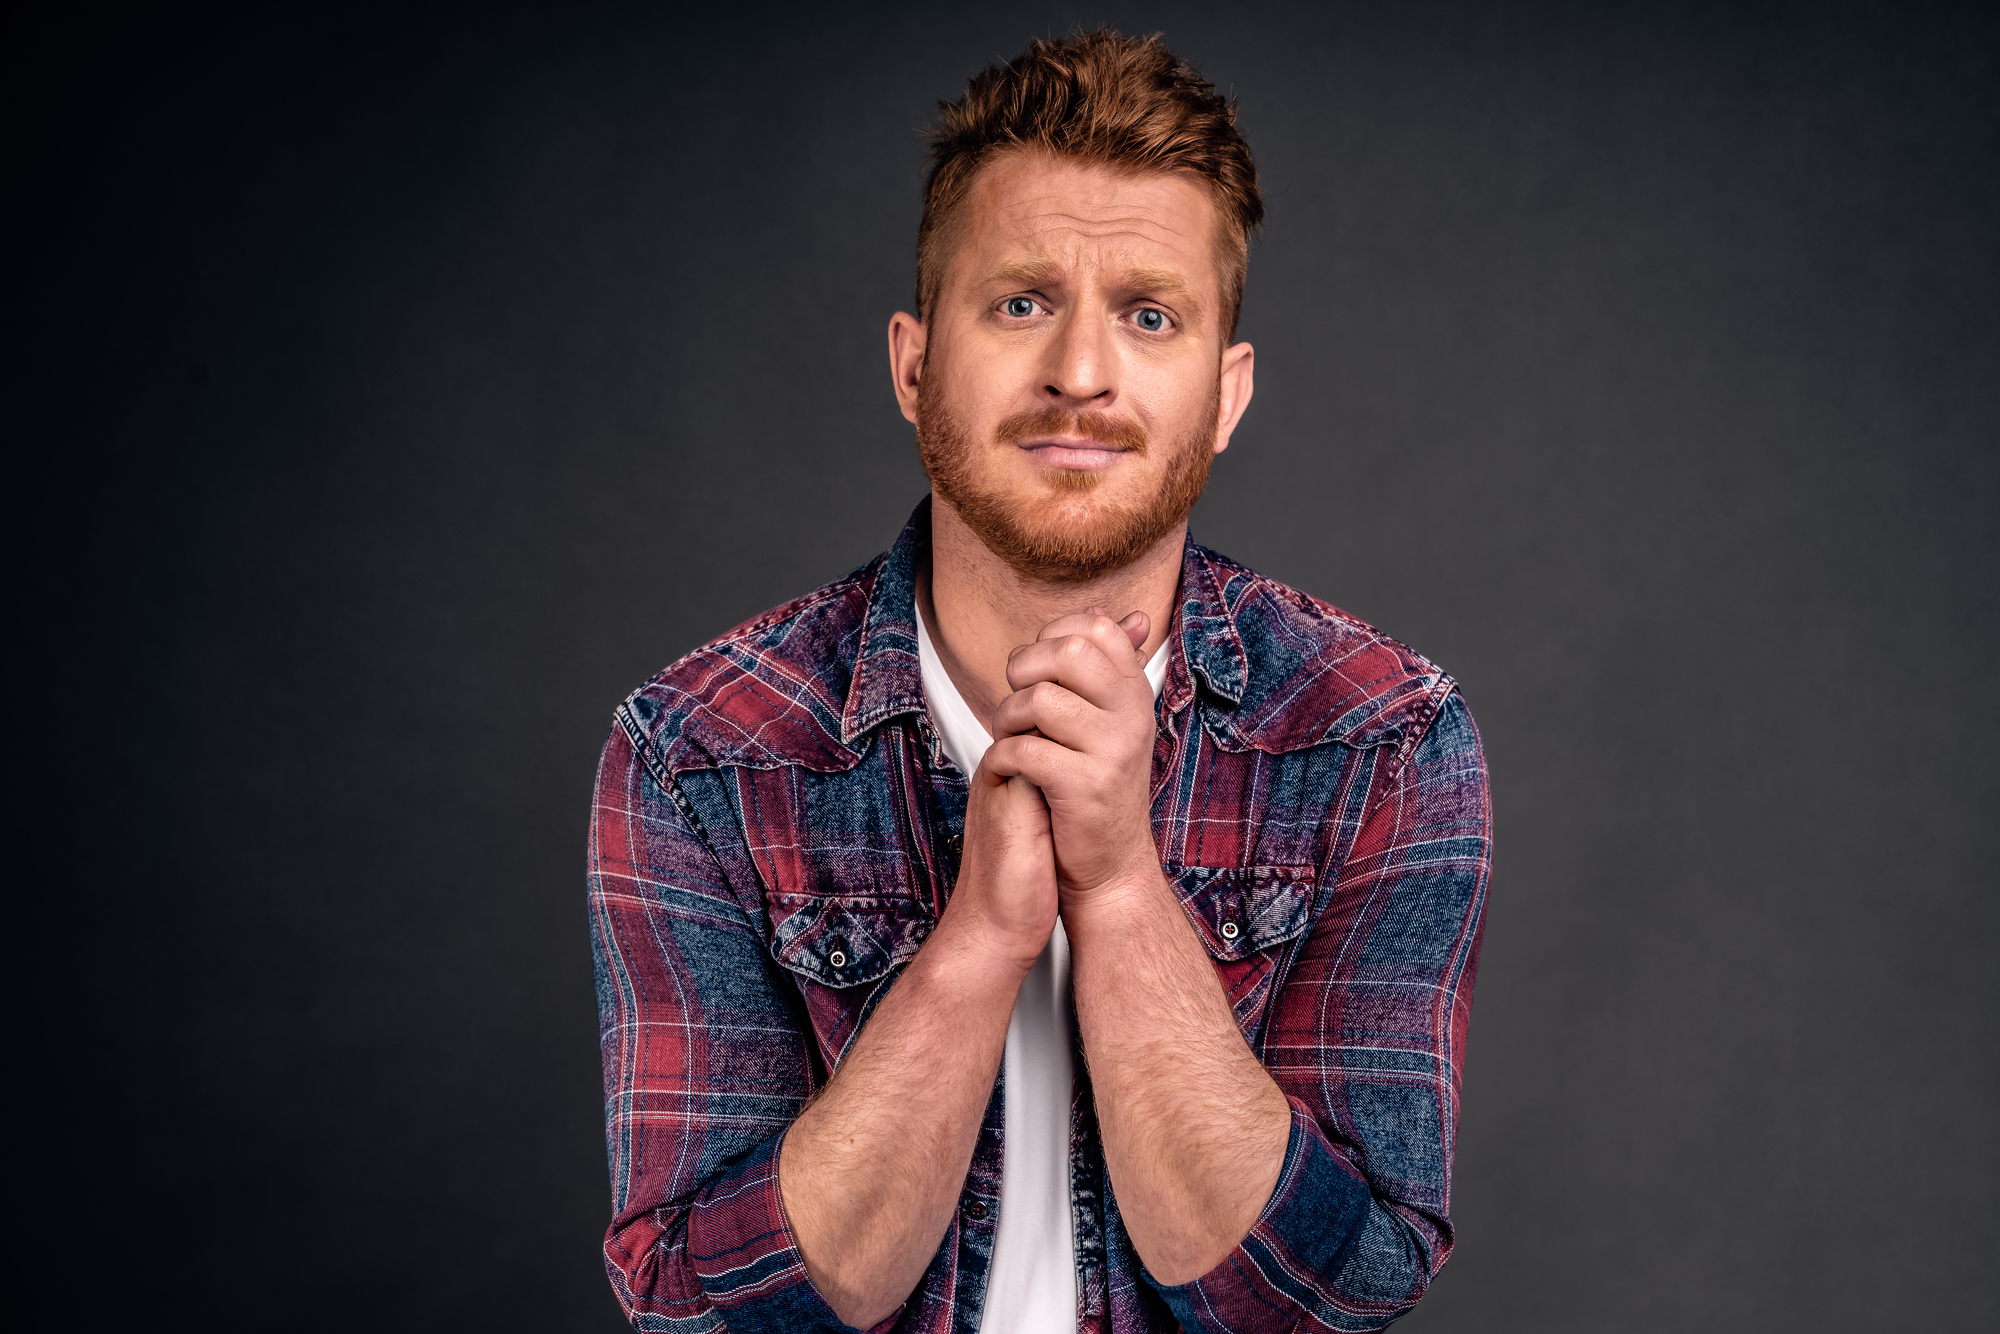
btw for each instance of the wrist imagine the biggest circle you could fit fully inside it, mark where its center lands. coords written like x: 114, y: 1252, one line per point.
x: 1107, y: 868
x: 972, y: 946
x: 1132, y: 896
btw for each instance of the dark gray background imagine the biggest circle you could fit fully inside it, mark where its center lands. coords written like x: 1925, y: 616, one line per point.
x: 393, y: 390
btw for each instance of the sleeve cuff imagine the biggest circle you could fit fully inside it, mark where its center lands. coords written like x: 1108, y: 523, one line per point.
x: 744, y: 1252
x: 1285, y: 1264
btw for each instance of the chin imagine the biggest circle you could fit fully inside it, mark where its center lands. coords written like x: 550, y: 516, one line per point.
x: 1070, y: 513
x: 1070, y: 531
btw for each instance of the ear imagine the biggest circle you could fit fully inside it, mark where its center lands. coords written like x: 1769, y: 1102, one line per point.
x: 1238, y: 383
x: 906, y: 360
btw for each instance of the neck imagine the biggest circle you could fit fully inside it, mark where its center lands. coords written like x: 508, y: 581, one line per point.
x: 979, y: 609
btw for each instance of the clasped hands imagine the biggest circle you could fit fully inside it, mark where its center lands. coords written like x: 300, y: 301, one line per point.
x: 1059, y: 814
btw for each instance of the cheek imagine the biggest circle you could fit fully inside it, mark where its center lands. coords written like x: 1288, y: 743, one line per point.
x: 966, y: 390
x: 1170, y: 406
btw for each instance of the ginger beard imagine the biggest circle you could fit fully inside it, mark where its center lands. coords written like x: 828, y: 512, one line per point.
x: 1068, y: 534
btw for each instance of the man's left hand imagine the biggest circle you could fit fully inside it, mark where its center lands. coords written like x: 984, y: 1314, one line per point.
x: 1080, y: 726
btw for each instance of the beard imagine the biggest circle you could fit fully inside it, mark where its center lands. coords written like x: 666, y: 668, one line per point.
x: 1070, y: 534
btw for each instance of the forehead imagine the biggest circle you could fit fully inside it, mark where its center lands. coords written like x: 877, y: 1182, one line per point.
x: 1074, y: 215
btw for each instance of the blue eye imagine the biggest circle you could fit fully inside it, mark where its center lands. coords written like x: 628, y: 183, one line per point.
x: 1020, y: 307
x: 1152, y: 321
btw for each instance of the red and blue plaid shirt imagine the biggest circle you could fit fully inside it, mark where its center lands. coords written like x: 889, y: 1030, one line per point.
x: 776, y: 831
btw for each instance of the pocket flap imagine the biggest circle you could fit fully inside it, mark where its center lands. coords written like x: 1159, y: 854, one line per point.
x: 844, y: 942
x: 1241, y: 910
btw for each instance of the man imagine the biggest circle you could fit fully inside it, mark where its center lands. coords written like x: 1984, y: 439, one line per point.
x: 1046, y: 780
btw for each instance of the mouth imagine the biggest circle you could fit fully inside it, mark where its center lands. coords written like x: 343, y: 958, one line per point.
x: 1071, y: 453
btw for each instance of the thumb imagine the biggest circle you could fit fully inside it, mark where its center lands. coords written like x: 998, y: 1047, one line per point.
x: 1136, y: 627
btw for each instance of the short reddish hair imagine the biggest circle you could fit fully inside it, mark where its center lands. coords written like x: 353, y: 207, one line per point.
x: 1098, y: 97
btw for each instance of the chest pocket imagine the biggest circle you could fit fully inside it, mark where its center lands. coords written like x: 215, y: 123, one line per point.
x: 1243, y: 915
x: 845, y: 940
x: 1242, y: 911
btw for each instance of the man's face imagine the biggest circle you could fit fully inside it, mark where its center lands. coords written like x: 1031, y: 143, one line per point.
x: 1071, y: 386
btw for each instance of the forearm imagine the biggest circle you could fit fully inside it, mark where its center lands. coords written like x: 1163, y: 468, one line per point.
x: 1194, y: 1129
x: 872, y: 1170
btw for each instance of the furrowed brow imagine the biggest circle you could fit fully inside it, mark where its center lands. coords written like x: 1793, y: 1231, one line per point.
x: 1165, y: 284
x: 1026, y: 273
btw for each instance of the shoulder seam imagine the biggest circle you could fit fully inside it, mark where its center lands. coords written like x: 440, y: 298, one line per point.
x: 1433, y: 704
x: 642, y: 745
x: 669, y: 784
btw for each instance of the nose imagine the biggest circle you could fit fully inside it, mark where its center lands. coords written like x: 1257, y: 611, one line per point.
x: 1083, y: 363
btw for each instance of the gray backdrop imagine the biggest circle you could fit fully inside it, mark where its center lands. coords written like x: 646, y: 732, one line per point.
x: 393, y: 390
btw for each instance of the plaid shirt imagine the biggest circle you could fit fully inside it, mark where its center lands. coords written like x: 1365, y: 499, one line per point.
x: 776, y: 831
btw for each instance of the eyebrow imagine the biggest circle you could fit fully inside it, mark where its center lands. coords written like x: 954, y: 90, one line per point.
x: 1025, y: 272
x: 1167, y: 283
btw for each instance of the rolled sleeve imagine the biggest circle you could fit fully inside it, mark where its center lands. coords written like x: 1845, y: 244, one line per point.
x: 744, y: 1252
x: 1314, y: 1214
x: 1367, y: 1040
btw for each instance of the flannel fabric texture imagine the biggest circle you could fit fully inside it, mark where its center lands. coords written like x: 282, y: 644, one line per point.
x: 776, y: 830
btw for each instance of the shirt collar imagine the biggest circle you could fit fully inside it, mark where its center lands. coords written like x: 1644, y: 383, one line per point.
x: 888, y: 676
x: 1210, y: 645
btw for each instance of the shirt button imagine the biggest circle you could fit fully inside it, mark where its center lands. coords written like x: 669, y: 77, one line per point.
x: 977, y: 1209
x: 953, y: 844
x: 837, y: 955
x: 1230, y: 930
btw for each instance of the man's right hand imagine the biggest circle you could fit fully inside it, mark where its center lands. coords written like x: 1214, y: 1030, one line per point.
x: 1007, y: 874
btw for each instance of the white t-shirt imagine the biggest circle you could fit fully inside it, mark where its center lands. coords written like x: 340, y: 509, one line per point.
x: 1031, y: 1288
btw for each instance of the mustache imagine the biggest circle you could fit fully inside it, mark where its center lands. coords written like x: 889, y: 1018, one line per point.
x: 1100, y: 427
